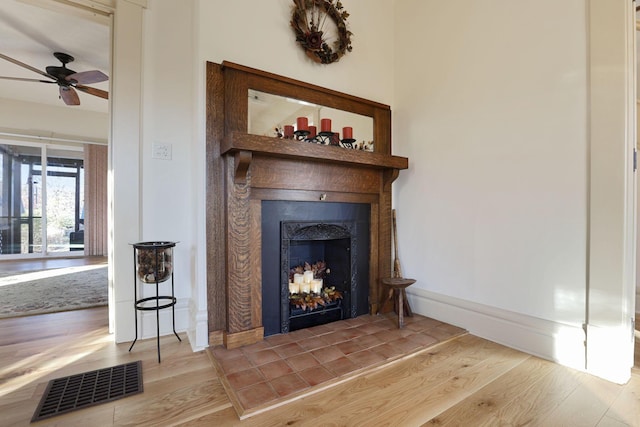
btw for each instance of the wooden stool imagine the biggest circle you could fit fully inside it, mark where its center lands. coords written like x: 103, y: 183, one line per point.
x: 397, y: 286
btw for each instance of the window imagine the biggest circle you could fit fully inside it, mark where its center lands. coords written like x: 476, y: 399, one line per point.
x: 41, y: 202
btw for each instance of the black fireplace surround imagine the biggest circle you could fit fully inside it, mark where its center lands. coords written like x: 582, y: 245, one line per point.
x: 293, y: 231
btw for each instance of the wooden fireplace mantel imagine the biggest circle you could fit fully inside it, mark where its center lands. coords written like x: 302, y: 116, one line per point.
x: 244, y: 169
x: 275, y: 147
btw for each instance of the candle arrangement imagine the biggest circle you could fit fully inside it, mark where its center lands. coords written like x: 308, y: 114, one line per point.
x: 307, y: 278
x: 306, y: 286
x: 312, y: 301
x: 305, y: 283
x: 309, y: 133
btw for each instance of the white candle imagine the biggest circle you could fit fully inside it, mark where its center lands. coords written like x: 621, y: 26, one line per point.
x: 316, y: 286
x: 298, y: 278
x: 308, y: 276
x: 294, y: 288
x: 305, y: 288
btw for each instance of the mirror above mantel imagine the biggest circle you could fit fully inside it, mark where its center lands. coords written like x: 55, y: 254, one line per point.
x: 268, y: 114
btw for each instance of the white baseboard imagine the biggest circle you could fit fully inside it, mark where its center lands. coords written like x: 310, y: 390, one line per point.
x: 558, y: 342
x: 199, y: 331
x: 147, y: 320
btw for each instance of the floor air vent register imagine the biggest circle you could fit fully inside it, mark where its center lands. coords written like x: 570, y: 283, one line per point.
x: 67, y: 394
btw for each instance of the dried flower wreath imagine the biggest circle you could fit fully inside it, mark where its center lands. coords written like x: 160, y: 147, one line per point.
x: 308, y: 21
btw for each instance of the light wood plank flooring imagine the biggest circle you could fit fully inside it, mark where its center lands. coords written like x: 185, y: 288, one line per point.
x: 49, y: 263
x: 466, y: 381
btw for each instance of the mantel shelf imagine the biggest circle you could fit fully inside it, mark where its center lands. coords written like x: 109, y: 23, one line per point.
x: 276, y: 147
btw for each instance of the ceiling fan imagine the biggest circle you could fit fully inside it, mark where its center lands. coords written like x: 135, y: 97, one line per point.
x: 68, y: 80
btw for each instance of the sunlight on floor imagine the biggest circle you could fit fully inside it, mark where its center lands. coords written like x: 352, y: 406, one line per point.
x: 49, y: 362
x: 18, y: 277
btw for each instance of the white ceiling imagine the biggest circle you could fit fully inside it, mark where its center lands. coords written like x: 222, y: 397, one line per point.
x: 30, y: 31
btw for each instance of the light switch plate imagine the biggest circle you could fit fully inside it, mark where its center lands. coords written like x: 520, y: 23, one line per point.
x: 161, y: 150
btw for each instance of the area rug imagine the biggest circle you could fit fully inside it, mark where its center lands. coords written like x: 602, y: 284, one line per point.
x: 48, y: 291
x: 79, y: 391
x: 285, y: 367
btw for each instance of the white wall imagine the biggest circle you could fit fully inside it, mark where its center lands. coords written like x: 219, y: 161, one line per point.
x: 491, y: 107
x: 157, y: 199
x: 168, y: 200
x: 491, y: 111
x: 257, y: 33
x: 47, y: 120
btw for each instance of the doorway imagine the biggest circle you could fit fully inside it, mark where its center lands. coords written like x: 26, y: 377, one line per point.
x: 42, y: 229
x: 45, y: 213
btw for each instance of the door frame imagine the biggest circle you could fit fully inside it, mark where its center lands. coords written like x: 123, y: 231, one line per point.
x: 611, y: 212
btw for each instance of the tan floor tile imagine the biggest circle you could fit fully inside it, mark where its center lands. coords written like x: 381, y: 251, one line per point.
x: 288, y: 350
x: 280, y: 339
x: 275, y: 369
x: 288, y: 384
x: 256, y: 395
x: 366, y: 358
x: 422, y: 339
x: 367, y: 341
x: 229, y: 366
x: 313, y: 343
x: 387, y: 351
x: 327, y: 354
x: 289, y: 363
x: 242, y: 379
x: 302, y: 361
x: 349, y: 347
x: 342, y: 366
x: 263, y: 356
x: 317, y: 375
x: 222, y: 353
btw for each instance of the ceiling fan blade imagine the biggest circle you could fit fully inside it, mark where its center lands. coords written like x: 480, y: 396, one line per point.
x: 69, y: 95
x: 22, y: 79
x: 87, y: 77
x: 93, y: 91
x: 28, y: 67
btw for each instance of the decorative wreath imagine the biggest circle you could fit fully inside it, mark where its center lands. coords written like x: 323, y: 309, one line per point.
x: 308, y: 21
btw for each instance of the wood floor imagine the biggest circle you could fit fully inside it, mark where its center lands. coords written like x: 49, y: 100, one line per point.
x: 464, y: 382
x: 48, y: 263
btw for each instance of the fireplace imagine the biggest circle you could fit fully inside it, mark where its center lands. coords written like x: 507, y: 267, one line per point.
x: 297, y: 232
x: 248, y: 174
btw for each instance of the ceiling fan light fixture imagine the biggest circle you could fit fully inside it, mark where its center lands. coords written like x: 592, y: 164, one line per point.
x: 66, y: 78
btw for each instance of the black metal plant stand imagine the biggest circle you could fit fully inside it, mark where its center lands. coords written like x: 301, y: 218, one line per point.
x: 153, y: 263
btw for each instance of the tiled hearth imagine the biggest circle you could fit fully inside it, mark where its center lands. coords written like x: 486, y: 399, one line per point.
x: 286, y: 366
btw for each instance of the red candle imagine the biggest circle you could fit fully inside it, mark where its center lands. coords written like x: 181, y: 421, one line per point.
x: 347, y: 133
x: 312, y: 131
x: 325, y: 125
x: 288, y: 131
x: 302, y: 123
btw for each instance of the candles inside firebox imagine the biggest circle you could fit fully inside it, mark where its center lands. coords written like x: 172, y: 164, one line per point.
x: 305, y: 284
